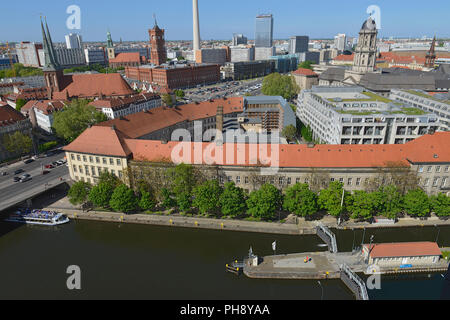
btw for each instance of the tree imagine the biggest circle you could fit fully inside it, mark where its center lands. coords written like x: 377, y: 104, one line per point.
x: 79, y: 192
x: 300, y: 200
x: 306, y: 65
x: 392, y: 202
x: 330, y: 199
x: 265, y: 202
x: 289, y: 132
x: 184, y: 201
x: 20, y: 103
x: 108, y: 178
x: 276, y: 84
x: 17, y: 143
x: 179, y: 93
x: 123, y: 199
x: 207, y: 196
x: 100, y: 195
x: 167, y: 99
x: 70, y: 122
x: 318, y: 179
x: 417, y: 203
x: 364, y: 205
x: 441, y: 205
x: 167, y: 199
x: 147, y: 201
x: 232, y: 200
x: 183, y: 179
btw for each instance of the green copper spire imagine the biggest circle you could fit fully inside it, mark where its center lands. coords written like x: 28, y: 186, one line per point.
x: 109, y: 43
x: 51, y: 62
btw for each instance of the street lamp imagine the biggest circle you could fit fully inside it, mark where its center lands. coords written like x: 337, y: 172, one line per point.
x: 320, y: 284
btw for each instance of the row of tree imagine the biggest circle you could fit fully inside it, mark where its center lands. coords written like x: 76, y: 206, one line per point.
x: 189, y: 193
x: 19, y: 70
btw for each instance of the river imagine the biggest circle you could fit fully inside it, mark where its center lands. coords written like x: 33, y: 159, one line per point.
x: 127, y: 261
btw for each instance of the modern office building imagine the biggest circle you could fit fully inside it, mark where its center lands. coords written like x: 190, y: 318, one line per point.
x: 239, y: 39
x: 5, y: 61
x: 67, y: 57
x: 262, y: 53
x: 351, y: 115
x: 247, y: 70
x: 439, y: 104
x: 28, y: 54
x: 298, y: 44
x: 242, y: 53
x: 285, y: 63
x: 313, y: 56
x: 264, y: 31
x: 95, y: 56
x: 340, y: 42
x: 74, y: 41
x: 211, y: 55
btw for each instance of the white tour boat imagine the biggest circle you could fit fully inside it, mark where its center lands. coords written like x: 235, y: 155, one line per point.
x: 38, y: 217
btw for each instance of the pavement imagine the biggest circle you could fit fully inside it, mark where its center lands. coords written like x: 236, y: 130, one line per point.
x: 12, y: 193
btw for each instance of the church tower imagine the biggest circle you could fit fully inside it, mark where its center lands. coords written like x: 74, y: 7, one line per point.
x: 158, y: 43
x: 366, y: 50
x: 431, y: 55
x: 53, y: 72
x: 110, y: 47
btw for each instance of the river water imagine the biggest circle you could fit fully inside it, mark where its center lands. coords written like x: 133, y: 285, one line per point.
x: 126, y: 261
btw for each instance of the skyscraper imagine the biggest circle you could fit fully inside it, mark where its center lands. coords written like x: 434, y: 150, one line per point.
x: 239, y: 39
x: 298, y: 44
x: 73, y: 41
x: 264, y: 31
x: 340, y: 41
x: 196, y: 21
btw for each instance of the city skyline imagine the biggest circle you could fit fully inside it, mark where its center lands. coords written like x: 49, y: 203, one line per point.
x: 318, y: 20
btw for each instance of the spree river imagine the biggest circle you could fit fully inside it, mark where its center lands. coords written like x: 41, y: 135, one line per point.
x: 127, y: 261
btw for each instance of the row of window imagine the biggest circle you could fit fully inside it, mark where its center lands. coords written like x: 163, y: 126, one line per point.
x: 289, y: 180
x: 436, y: 182
x: 91, y: 159
x: 437, y: 169
x: 95, y: 171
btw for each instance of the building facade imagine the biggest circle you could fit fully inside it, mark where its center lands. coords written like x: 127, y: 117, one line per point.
x: 366, y: 50
x: 242, y: 53
x: 247, y: 70
x: 158, y: 43
x: 212, y: 56
x: 298, y: 44
x: 351, y: 115
x: 74, y: 41
x: 28, y: 54
x: 264, y: 31
x: 239, y: 39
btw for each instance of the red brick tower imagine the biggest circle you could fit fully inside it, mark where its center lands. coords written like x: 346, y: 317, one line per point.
x: 431, y: 55
x: 158, y: 53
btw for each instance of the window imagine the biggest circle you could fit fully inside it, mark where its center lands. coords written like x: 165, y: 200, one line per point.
x: 438, y: 168
x: 349, y: 181
x: 341, y: 180
x: 81, y: 169
x: 427, y: 181
x: 238, y: 179
x: 421, y: 169
x: 84, y: 158
x: 289, y: 180
x: 72, y: 156
x: 93, y: 171
x: 120, y: 174
x: 78, y: 157
x: 91, y: 159
x: 97, y: 159
x: 444, y: 182
x: 230, y: 178
x: 246, y: 180
x: 74, y: 168
x: 447, y: 168
x: 113, y: 172
x: 429, y: 169
x: 297, y: 180
x: 358, y: 181
x: 86, y: 169
x: 435, y: 182
x: 111, y: 161
x: 281, y: 181
x: 118, y: 162
x: 104, y: 161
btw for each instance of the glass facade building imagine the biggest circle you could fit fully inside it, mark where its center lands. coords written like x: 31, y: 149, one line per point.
x: 264, y: 31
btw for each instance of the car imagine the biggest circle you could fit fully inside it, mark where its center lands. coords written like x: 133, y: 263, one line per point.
x: 4, y: 173
x: 19, y: 171
x: 45, y: 172
x: 59, y: 162
x: 25, y: 178
x: 28, y: 161
x: 16, y: 179
x: 49, y: 166
x: 54, y: 163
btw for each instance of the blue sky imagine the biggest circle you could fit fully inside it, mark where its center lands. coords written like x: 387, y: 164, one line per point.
x: 219, y: 19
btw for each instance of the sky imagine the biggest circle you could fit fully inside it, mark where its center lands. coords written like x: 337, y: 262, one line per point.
x: 219, y: 19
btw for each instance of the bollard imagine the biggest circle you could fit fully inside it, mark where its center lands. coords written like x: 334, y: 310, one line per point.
x: 171, y: 221
x: 121, y: 218
x: 221, y: 225
x: 196, y: 223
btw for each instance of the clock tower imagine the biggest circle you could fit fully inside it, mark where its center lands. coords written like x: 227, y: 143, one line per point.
x: 158, y: 43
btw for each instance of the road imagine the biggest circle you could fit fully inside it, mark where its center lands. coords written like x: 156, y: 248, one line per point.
x: 12, y: 192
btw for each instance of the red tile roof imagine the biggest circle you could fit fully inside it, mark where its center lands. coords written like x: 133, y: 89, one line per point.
x: 46, y: 106
x: 100, y: 141
x: 142, y: 123
x: 430, y: 148
x: 127, y: 57
x: 93, y: 85
x: 9, y: 115
x: 404, y: 249
x: 345, y: 57
x: 305, y: 72
x: 118, y: 103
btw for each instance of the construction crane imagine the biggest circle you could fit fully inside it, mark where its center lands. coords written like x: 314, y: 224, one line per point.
x: 11, y: 63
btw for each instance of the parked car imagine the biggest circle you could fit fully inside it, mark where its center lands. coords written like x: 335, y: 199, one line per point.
x: 19, y: 171
x: 16, y: 179
x: 25, y: 178
x: 28, y: 161
x: 49, y: 166
x: 4, y: 173
x: 45, y: 172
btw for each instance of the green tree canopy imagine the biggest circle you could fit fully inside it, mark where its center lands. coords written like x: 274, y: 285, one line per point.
x: 123, y: 199
x: 364, y: 204
x: 392, y: 202
x: 167, y: 99
x: 417, y: 203
x: 79, y: 192
x: 306, y: 65
x: 167, y: 199
x: 179, y: 93
x: 207, y: 196
x: 70, y: 122
x: 299, y: 199
x: 232, y: 200
x: 147, y: 200
x: 184, y: 202
x: 100, y: 195
x: 19, y: 70
x: 109, y: 179
x: 183, y: 179
x: 289, y: 132
x: 330, y: 199
x: 265, y: 202
x: 441, y: 205
x: 20, y: 103
x: 276, y: 84
x: 17, y: 143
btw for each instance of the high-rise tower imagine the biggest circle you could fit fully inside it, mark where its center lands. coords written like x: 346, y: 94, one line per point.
x: 366, y: 50
x: 196, y: 26
x: 158, y: 53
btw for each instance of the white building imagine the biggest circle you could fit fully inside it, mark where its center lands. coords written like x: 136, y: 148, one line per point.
x: 242, y: 53
x: 28, y: 54
x: 67, y: 57
x: 340, y: 42
x: 438, y: 104
x: 74, y: 41
x: 117, y: 107
x: 351, y: 115
x: 41, y: 112
x: 262, y: 53
x: 95, y: 56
